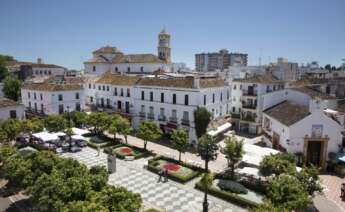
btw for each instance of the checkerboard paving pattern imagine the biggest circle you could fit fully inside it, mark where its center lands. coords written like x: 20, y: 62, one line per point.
x: 166, y: 195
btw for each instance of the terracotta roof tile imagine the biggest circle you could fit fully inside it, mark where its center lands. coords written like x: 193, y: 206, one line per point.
x: 4, y: 102
x: 287, y: 112
x: 117, y: 79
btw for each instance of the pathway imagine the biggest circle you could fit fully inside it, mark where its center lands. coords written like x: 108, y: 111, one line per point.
x: 170, y: 196
x: 332, y: 185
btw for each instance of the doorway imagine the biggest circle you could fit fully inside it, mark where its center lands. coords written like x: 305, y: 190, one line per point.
x: 314, y: 153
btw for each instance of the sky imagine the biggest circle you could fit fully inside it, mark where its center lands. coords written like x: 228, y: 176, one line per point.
x: 65, y: 32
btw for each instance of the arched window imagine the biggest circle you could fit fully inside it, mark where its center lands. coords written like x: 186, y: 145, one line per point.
x: 94, y: 68
x: 116, y: 69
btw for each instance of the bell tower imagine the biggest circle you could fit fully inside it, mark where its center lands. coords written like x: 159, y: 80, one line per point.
x: 164, y: 46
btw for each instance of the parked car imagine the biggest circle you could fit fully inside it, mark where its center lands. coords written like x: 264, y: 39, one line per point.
x: 75, y: 149
x: 65, y: 147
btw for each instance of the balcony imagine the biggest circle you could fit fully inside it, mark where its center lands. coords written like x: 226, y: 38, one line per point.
x: 249, y: 93
x: 162, y: 118
x: 151, y: 116
x: 142, y: 114
x: 249, y: 106
x: 249, y: 118
x: 185, y: 122
x: 173, y: 120
x: 235, y: 115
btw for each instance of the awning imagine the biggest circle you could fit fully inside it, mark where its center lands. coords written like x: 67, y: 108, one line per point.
x: 78, y: 131
x: 220, y: 129
x: 46, y: 136
x: 78, y: 137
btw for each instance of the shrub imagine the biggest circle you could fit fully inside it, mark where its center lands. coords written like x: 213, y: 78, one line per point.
x: 277, y: 164
x: 231, y: 197
x: 232, y: 186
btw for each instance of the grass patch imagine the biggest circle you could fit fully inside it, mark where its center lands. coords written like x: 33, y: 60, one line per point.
x: 177, y: 171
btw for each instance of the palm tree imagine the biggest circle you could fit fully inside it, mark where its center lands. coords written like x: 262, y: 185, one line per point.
x: 207, y: 150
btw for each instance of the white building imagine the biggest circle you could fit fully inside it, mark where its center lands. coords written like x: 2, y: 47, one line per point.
x: 112, y: 59
x: 284, y: 70
x: 295, y: 128
x: 11, y: 109
x: 42, y: 69
x: 53, y: 96
x: 171, y: 101
x: 247, y: 101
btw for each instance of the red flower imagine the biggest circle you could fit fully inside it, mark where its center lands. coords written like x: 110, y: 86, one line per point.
x: 171, y: 166
x: 126, y: 150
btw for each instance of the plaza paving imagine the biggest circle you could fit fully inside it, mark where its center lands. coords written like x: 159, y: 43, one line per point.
x: 169, y: 196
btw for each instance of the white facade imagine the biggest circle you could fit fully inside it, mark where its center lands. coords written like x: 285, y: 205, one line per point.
x: 53, y: 102
x: 43, y: 70
x: 170, y: 114
x: 12, y: 112
x: 129, y: 68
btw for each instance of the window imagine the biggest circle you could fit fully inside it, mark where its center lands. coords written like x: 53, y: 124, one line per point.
x: 60, y: 97
x: 162, y: 97
x: 151, y: 96
x: 227, y: 94
x: 186, y: 100
x: 204, y: 99
x: 41, y: 96
x: 174, y: 114
x: 35, y: 106
x: 142, y: 68
x: 127, y: 107
x: 89, y: 85
x: 34, y: 95
x: 76, y: 95
x: 151, y: 109
x: 128, y: 69
x: 91, y: 99
x: 61, y: 110
x: 49, y: 72
x: 142, y: 95
x: 161, y: 111
x: 30, y: 105
x: 116, y: 69
x: 103, y: 88
x: 233, y: 109
x: 128, y: 93
x: 213, y: 97
x: 115, y: 91
x: 221, y: 96
x: 235, y: 87
x: 143, y: 108
x: 99, y: 87
x: 13, y: 114
x: 107, y: 88
x: 121, y: 92
x: 174, y: 98
x: 108, y: 102
x: 29, y: 95
x: 94, y: 68
x: 185, y: 115
x: 42, y: 108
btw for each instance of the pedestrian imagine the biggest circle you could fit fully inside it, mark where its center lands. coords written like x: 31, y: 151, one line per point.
x: 166, y: 175
x: 160, y: 173
x: 98, y: 150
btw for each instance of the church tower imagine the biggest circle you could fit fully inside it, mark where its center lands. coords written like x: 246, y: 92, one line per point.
x: 164, y: 46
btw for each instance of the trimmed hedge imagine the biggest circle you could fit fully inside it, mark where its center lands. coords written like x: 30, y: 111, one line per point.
x: 182, y: 179
x: 143, y: 153
x: 232, y: 186
x: 231, y: 197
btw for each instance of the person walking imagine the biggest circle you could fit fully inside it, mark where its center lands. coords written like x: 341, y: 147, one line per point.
x: 98, y: 150
x: 160, y: 173
x: 166, y: 175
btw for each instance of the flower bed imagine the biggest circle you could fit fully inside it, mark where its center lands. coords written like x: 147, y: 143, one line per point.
x: 123, y: 150
x: 177, y: 171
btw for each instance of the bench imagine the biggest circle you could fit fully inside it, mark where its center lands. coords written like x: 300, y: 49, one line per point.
x: 129, y: 158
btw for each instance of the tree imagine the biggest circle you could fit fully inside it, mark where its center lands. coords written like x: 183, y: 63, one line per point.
x: 113, y: 127
x: 233, y: 152
x: 328, y: 67
x: 80, y: 119
x: 309, y: 177
x: 99, y: 122
x: 6, y: 151
x: 117, y: 199
x: 32, y: 125
x: 124, y: 127
x: 55, y: 123
x: 207, y: 150
x: 3, y: 69
x: 83, y: 206
x: 149, y: 131
x: 278, y: 164
x: 10, y: 128
x: 18, y: 171
x: 98, y: 177
x: 12, y: 88
x: 180, y: 140
x: 287, y: 192
x: 201, y: 118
